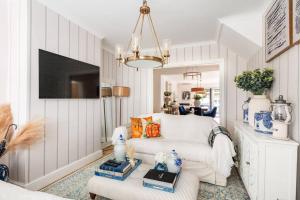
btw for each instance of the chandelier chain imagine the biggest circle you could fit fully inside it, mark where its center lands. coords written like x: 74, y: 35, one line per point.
x: 156, y: 38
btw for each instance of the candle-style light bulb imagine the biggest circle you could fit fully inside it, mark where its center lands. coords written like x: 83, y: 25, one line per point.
x: 118, y: 52
x: 166, y: 47
x: 135, y: 42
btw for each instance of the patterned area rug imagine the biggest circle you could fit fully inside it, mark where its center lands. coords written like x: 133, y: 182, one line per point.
x: 74, y: 187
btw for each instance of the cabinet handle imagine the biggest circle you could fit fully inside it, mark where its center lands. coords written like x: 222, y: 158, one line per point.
x: 248, y: 163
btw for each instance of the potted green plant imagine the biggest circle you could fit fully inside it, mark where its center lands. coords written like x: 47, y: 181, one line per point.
x: 257, y: 82
x: 197, y: 98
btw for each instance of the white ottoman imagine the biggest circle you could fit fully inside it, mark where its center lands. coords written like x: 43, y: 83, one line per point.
x: 132, y: 188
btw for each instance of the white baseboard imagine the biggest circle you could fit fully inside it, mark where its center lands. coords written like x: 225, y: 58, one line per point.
x: 60, y: 173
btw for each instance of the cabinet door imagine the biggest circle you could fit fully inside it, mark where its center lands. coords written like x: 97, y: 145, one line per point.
x: 253, y: 170
x: 245, y: 161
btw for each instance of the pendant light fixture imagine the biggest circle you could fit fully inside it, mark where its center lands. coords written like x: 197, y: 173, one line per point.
x: 134, y: 55
x: 193, y: 76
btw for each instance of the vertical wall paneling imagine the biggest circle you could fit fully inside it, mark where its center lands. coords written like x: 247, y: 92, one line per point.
x: 137, y: 93
x: 38, y: 34
x: 73, y: 131
x: 188, y: 53
x: 63, y: 105
x: 143, y: 89
x: 83, y: 35
x: 125, y: 99
x: 149, y: 91
x: 197, y: 54
x: 231, y: 89
x: 180, y: 55
x: 105, y: 67
x: 241, y: 95
x: 32, y: 27
x: 173, y: 58
x: 51, y: 112
x: 205, y: 52
x: 284, y: 71
x: 131, y: 97
x: 97, y: 105
x: 14, y: 75
x: 214, y: 51
x: 90, y: 127
x: 82, y: 128
x: 74, y: 104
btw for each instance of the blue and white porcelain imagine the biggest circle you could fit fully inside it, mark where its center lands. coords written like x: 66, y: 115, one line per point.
x: 245, y: 108
x: 4, y: 173
x: 263, y: 122
x: 174, y: 162
x: 120, y: 149
x: 161, y: 167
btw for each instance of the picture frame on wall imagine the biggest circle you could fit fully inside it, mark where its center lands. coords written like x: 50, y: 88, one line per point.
x: 296, y: 21
x: 186, y: 95
x: 278, y: 28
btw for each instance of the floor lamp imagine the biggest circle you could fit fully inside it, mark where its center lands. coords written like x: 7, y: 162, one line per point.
x: 120, y: 91
x: 105, y: 93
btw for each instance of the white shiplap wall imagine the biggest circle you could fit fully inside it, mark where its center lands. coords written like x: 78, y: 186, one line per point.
x: 286, y: 74
x: 213, y: 53
x: 72, y: 128
x: 140, y: 83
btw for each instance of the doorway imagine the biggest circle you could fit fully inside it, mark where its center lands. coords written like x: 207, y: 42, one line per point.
x: 183, y: 89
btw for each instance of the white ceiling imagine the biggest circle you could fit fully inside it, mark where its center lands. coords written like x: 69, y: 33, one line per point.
x: 183, y: 21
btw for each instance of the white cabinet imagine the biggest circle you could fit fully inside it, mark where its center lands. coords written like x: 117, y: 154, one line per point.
x: 268, y: 167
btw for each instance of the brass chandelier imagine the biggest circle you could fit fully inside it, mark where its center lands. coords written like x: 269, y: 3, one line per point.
x: 135, y: 57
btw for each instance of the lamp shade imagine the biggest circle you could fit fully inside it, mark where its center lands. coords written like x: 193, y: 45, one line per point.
x: 106, y: 92
x: 120, y: 91
x: 199, y: 90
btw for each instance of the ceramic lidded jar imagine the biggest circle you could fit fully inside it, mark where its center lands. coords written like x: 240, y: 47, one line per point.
x: 174, y: 162
x: 258, y: 103
x: 281, y: 115
x: 120, y: 149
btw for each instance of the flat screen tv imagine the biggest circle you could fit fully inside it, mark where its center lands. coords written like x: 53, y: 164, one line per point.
x: 65, y: 78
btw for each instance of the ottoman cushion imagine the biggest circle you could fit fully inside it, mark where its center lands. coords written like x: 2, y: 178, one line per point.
x: 132, y: 188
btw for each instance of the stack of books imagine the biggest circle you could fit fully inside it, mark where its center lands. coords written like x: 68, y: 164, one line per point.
x: 116, y: 170
x: 165, y: 181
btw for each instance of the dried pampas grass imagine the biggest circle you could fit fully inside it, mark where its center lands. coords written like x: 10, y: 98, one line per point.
x: 6, y: 119
x: 27, y: 135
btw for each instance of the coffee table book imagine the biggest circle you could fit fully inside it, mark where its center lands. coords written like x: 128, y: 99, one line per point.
x: 164, y: 181
x: 117, y: 175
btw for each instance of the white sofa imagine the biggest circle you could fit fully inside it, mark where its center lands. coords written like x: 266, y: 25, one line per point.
x: 12, y: 192
x: 188, y: 135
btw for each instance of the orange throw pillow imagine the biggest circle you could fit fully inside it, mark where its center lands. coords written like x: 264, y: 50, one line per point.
x: 152, y: 130
x: 137, y: 126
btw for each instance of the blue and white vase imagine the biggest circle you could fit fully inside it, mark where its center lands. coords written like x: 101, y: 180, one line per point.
x: 174, y: 162
x: 4, y: 173
x: 120, y: 149
x: 263, y: 122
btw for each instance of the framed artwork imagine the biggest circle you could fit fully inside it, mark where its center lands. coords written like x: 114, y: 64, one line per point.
x: 186, y: 95
x: 278, y: 31
x: 296, y: 21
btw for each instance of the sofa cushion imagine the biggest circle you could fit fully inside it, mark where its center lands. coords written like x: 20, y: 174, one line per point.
x: 187, y: 150
x: 188, y: 128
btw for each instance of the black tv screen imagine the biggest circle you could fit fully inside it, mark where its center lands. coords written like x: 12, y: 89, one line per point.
x: 61, y: 77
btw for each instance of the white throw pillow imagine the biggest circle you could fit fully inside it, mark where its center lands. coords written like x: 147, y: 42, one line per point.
x: 189, y: 128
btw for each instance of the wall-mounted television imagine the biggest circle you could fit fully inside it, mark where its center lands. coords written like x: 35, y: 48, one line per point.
x: 61, y: 77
